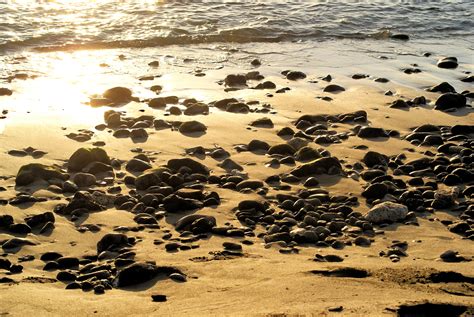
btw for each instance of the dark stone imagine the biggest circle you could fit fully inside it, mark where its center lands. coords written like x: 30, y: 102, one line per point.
x: 141, y: 272
x: 192, y: 222
x: 5, y: 92
x: 83, y: 157
x: 194, y: 166
x: 333, y: 88
x: 444, y: 87
x: 450, y: 100
x: 402, y: 37
x: 29, y: 173
x: 371, y: 132
x: 112, y: 241
x: 375, y: 191
x: 40, y: 219
x: 118, y: 94
x: 448, y: 62
x: 322, y: 165
x: 192, y: 127
x: 294, y: 75
x: 235, y: 80
x: 372, y: 159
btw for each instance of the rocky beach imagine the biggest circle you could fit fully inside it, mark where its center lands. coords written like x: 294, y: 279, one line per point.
x: 329, y: 177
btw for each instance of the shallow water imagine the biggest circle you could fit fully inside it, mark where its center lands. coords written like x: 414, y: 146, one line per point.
x: 79, y: 24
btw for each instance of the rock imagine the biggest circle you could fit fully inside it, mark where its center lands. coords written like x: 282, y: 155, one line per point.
x: 200, y: 223
x: 375, y: 191
x: 19, y: 228
x: 255, y: 62
x: 450, y: 100
x: 262, y: 123
x: 84, y: 156
x: 229, y: 165
x: 138, y: 134
x: 257, y: 145
x: 137, y: 165
x: 178, y: 277
x: 468, y: 79
x: 250, y: 184
x: 159, y: 298
x: 196, y: 109
x: 136, y: 273
x: 372, y: 159
x: 322, y: 165
x: 232, y: 246
x: 307, y: 153
x: 362, y: 241
x: 282, y: 149
x: 402, y: 37
x: 266, y: 85
x: 461, y: 129
x: 371, y: 132
x: 29, y: 173
x: 444, y: 87
x: 452, y: 256
x: 294, y: 75
x: 15, y: 243
x: 112, y: 241
x: 68, y: 262
x: 448, y: 62
x: 82, y: 200
x: 235, y: 80
x: 84, y: 179
x: 118, y: 94
x: 194, y: 166
x: 459, y: 227
x: 5, y: 92
x: 399, y: 104
x: 145, y: 181
x: 5, y: 221
x: 40, y: 219
x: 387, y: 212
x: 333, y: 88
x: 192, y: 127
x: 175, y: 203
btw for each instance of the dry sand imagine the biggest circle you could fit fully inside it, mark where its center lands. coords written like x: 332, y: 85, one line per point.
x: 262, y: 281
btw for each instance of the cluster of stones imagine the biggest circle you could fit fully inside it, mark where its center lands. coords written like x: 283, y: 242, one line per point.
x: 112, y: 266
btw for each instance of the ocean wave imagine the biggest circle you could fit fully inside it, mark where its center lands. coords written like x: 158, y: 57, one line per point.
x: 62, y: 25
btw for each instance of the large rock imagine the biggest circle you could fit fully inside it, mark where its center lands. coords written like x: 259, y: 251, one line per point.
x: 444, y: 87
x: 112, y: 241
x: 372, y: 159
x: 142, y: 272
x: 5, y: 92
x: 448, y: 62
x: 371, y: 132
x: 387, y: 212
x: 84, y: 156
x: 192, y: 127
x: 145, y: 181
x: 322, y: 165
x: 136, y: 273
x: 118, y: 94
x: 201, y: 223
x: 235, y: 80
x: 137, y: 165
x: 195, y: 166
x: 83, y: 200
x: 450, y: 100
x: 29, y: 173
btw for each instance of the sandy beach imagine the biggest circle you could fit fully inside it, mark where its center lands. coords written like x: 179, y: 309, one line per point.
x: 238, y: 180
